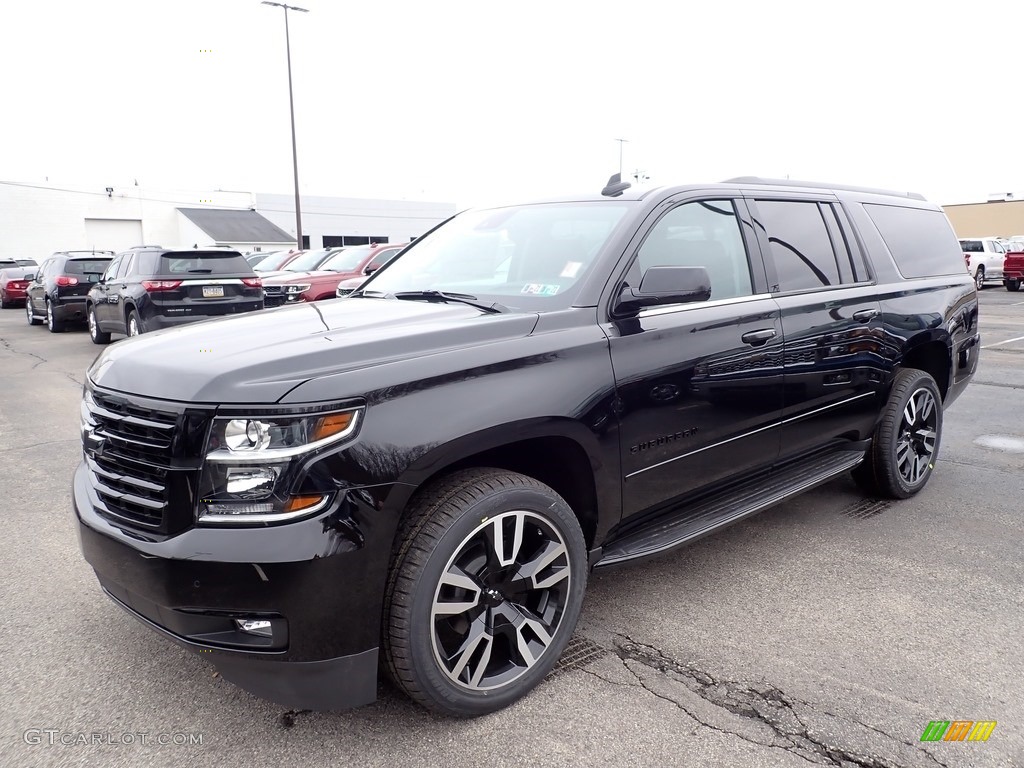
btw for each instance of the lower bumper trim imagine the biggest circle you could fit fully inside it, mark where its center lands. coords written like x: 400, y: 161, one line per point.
x: 341, y: 683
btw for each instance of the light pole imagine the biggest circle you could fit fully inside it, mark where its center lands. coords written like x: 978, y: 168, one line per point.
x: 291, y: 108
x: 621, y: 142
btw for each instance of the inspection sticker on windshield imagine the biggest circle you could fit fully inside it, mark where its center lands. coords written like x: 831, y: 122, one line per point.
x: 541, y: 290
x: 571, y: 269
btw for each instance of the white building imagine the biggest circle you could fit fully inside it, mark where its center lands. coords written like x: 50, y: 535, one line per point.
x: 38, y: 219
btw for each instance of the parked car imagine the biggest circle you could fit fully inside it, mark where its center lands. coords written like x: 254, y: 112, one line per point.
x: 146, y: 289
x: 13, y: 283
x: 321, y: 282
x: 378, y: 260
x: 424, y: 474
x: 984, y: 258
x: 257, y: 256
x: 1013, y: 270
x: 14, y: 263
x: 275, y: 261
x: 57, y: 292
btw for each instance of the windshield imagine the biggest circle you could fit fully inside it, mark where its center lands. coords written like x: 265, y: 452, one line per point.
x: 309, y: 260
x: 348, y: 260
x: 273, y: 262
x: 529, y: 257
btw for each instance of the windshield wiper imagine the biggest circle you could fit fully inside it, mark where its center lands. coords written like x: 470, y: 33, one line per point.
x: 461, y: 298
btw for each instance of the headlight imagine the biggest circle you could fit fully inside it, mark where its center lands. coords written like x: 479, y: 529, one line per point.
x: 297, y: 288
x: 250, y: 464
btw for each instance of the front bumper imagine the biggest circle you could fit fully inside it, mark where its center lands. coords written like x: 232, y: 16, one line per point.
x: 319, y: 581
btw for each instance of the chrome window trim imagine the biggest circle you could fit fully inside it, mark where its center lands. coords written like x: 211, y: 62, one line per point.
x: 654, y: 311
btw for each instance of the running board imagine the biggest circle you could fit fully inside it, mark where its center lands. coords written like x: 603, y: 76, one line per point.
x: 684, y: 524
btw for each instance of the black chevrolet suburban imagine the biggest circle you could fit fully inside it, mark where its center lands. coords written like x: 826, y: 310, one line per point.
x: 421, y: 475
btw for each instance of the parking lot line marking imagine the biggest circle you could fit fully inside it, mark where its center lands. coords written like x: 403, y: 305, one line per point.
x: 999, y: 343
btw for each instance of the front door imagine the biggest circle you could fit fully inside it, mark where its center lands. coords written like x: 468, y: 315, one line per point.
x: 699, y: 384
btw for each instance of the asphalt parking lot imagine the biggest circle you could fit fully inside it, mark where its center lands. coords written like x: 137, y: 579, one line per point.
x: 828, y: 631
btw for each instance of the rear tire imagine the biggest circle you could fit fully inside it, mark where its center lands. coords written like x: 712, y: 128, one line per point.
x: 53, y: 323
x: 134, y: 324
x: 97, y: 336
x: 30, y: 315
x: 484, y: 591
x: 1012, y: 285
x: 906, y: 442
x: 979, y: 278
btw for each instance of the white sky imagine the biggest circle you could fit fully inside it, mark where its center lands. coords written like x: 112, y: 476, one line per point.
x: 471, y: 102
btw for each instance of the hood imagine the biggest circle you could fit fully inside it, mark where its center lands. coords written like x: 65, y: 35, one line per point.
x: 260, y: 356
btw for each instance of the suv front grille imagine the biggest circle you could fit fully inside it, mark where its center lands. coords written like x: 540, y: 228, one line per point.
x: 143, y: 462
x: 273, y: 290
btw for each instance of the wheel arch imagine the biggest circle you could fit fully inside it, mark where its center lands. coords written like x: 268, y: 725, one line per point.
x: 933, y: 356
x: 561, y: 453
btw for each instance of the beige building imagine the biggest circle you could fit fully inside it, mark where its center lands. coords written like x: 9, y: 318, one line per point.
x: 996, y: 218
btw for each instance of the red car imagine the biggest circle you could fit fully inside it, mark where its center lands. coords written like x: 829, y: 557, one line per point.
x: 353, y: 261
x: 13, y: 285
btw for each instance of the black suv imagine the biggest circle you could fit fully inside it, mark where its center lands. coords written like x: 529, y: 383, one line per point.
x: 57, y: 293
x: 149, y: 288
x: 427, y: 471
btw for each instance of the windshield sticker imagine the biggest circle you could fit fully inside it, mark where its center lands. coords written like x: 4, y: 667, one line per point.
x: 571, y: 269
x: 541, y: 290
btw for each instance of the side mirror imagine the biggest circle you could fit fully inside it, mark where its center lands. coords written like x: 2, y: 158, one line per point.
x: 371, y: 268
x: 29, y: 276
x: 665, y: 285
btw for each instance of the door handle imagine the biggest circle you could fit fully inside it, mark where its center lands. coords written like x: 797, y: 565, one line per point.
x: 757, y: 338
x: 863, y: 315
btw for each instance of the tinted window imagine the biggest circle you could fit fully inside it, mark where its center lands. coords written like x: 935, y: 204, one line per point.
x: 112, y: 268
x: 91, y: 268
x: 800, y: 244
x: 704, y: 234
x: 921, y: 241
x: 126, y: 265
x: 203, y: 263
x: 972, y: 246
x: 852, y: 267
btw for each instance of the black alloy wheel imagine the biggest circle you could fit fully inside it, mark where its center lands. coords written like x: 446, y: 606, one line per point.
x: 906, y: 442
x: 484, y: 593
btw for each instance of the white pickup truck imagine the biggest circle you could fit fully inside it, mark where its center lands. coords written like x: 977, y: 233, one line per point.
x: 984, y: 257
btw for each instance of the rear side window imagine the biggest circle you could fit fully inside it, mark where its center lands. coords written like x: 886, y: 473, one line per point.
x: 89, y: 267
x: 801, y: 246
x: 203, y: 263
x: 921, y: 241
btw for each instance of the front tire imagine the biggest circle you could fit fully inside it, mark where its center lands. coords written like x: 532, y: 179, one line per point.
x: 906, y: 442
x: 1012, y: 285
x: 485, y: 589
x: 97, y: 336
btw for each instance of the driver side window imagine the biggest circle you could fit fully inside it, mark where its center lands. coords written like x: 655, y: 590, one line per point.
x: 704, y: 233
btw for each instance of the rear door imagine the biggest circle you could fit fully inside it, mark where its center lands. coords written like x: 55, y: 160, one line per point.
x: 836, y: 359
x: 101, y: 294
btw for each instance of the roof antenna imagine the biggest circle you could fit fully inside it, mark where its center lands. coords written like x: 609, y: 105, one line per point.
x: 615, y: 186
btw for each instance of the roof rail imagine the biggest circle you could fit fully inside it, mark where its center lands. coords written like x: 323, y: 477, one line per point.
x: 820, y: 185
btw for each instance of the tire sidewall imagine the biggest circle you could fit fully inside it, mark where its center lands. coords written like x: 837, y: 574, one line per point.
x: 431, y: 679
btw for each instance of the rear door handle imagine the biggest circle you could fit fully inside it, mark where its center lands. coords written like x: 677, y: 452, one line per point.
x: 757, y: 338
x: 863, y: 315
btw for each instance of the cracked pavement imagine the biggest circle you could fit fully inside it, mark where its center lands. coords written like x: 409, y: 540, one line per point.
x: 803, y: 636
